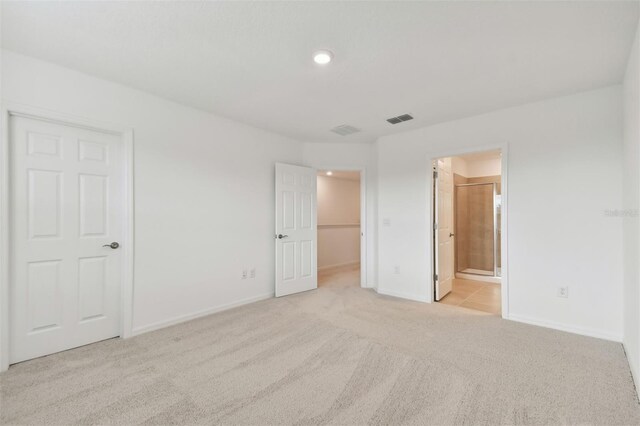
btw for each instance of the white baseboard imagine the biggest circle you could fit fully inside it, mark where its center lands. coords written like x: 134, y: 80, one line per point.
x: 635, y: 375
x: 338, y: 265
x: 203, y: 313
x: 402, y: 295
x: 568, y: 328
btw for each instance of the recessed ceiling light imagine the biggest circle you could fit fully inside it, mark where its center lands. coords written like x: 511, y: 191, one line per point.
x: 322, y: 57
x: 329, y: 173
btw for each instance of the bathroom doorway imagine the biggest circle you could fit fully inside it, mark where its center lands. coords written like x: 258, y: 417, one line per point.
x: 467, y: 223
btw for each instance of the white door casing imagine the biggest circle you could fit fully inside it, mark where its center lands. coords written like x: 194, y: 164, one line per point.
x: 66, y: 203
x: 444, y: 233
x: 296, y: 229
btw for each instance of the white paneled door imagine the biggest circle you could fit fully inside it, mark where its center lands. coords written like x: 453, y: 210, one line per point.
x: 66, y: 211
x: 444, y: 231
x: 296, y: 229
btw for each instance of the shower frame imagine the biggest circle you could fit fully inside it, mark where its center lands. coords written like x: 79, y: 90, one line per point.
x: 495, y: 225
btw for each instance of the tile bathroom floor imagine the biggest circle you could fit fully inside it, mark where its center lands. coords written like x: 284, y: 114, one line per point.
x: 480, y: 296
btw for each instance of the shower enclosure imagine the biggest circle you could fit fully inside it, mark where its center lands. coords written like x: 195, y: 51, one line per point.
x: 477, y: 228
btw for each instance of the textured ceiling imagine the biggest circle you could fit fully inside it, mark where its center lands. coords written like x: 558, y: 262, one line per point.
x: 251, y: 61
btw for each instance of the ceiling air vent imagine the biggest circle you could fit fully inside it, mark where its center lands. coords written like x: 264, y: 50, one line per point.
x: 400, y: 119
x: 345, y: 129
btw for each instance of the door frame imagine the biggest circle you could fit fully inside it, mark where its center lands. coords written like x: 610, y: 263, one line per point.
x: 504, y: 193
x: 10, y: 109
x: 363, y: 214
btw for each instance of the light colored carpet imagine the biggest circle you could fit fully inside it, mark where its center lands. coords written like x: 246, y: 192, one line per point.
x: 339, y: 355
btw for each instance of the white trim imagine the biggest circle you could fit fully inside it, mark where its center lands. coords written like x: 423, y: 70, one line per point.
x: 504, y: 250
x: 590, y: 332
x: 128, y: 237
x: 203, y: 313
x: 634, y: 374
x: 9, y: 109
x: 402, y: 295
x: 4, y: 244
x: 338, y: 265
x: 363, y: 216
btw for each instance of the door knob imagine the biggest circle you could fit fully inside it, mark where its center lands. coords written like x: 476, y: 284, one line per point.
x: 114, y: 245
x: 451, y: 234
x: 280, y: 236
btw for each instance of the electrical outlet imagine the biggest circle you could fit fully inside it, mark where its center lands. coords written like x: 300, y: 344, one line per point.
x: 252, y: 273
x: 244, y: 274
x: 386, y: 222
x: 563, y: 292
x: 396, y: 269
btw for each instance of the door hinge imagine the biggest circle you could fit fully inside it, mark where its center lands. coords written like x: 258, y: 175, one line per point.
x: 435, y: 174
x: 435, y: 226
x: 435, y: 277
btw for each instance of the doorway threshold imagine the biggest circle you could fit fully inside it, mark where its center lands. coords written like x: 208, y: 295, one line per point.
x: 483, y: 278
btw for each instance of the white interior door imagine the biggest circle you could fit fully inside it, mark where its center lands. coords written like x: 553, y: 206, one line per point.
x: 444, y: 232
x: 66, y: 204
x: 296, y: 229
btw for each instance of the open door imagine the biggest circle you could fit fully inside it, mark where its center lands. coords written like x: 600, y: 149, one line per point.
x: 296, y: 229
x: 443, y: 227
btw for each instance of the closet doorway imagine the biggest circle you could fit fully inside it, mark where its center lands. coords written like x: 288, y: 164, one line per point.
x: 467, y: 237
x: 340, y: 233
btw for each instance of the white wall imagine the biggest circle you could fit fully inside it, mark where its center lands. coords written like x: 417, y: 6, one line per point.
x: 204, y: 193
x: 480, y: 167
x: 338, y: 222
x: 459, y: 166
x: 351, y: 156
x: 338, y: 201
x: 564, y: 157
x: 476, y: 167
x: 631, y: 206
